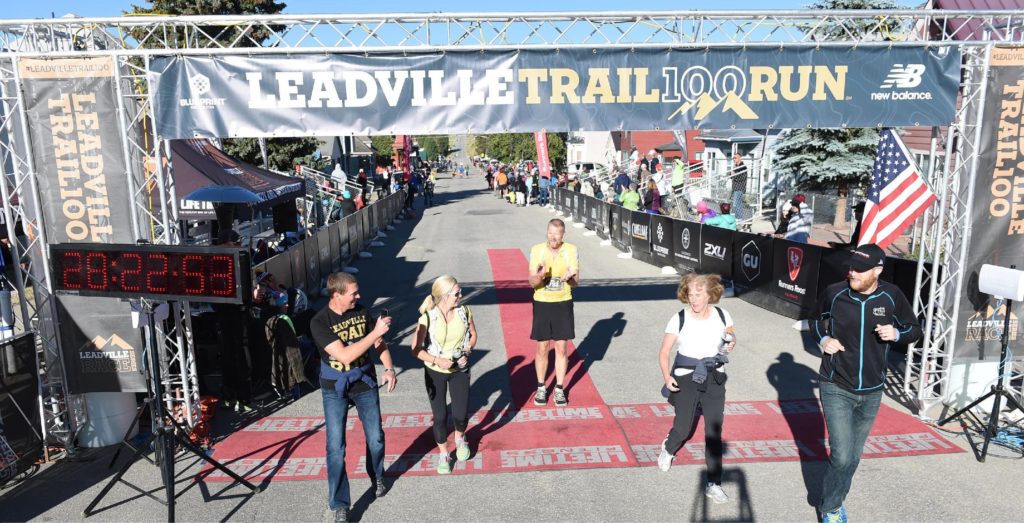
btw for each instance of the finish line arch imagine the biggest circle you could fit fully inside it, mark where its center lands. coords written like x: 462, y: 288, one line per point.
x: 690, y: 58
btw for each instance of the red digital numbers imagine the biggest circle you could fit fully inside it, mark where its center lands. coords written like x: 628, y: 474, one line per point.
x: 222, y: 275
x: 131, y: 271
x: 193, y: 280
x: 96, y: 271
x: 140, y: 271
x: 156, y: 273
x: 71, y: 273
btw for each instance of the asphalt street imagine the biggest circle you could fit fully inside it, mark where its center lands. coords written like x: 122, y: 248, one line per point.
x: 772, y: 361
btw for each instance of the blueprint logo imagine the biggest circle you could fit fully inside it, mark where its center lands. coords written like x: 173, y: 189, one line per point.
x: 903, y: 76
x: 200, y: 84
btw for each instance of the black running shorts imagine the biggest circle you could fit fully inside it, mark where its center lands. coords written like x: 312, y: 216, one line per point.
x: 553, y: 321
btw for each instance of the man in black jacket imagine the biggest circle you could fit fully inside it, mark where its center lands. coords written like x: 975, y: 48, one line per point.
x: 856, y: 322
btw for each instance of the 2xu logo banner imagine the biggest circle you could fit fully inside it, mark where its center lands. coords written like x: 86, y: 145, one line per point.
x: 716, y: 253
x: 574, y: 89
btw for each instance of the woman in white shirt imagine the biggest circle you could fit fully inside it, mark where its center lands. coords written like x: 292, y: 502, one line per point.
x: 700, y: 336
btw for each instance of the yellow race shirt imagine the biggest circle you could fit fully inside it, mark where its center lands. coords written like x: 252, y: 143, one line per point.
x: 552, y: 288
x: 448, y: 336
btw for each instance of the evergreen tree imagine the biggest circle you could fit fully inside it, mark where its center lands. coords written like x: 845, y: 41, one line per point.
x: 282, y: 153
x: 836, y: 159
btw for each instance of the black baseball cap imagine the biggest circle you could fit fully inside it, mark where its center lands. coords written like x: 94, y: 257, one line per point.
x: 867, y: 256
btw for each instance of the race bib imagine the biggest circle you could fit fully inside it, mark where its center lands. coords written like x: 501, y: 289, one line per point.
x: 555, y: 284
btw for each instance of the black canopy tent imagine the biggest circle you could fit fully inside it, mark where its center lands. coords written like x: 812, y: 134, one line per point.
x: 197, y: 164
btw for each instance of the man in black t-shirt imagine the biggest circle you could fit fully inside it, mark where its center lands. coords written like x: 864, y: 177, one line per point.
x: 342, y: 334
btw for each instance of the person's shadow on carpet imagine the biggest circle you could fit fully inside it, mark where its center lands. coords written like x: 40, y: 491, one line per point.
x: 795, y: 385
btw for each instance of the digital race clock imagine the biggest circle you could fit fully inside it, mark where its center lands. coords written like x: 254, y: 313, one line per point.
x: 161, y: 272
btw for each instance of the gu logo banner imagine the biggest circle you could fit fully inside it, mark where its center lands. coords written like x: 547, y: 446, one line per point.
x: 686, y: 238
x: 751, y: 257
x: 794, y: 259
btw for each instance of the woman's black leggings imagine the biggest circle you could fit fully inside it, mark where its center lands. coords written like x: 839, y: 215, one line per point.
x: 712, y: 403
x: 438, y: 384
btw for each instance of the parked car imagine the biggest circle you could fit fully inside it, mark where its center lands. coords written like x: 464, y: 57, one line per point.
x: 588, y: 169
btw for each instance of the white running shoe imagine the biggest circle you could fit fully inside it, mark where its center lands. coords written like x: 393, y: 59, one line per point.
x: 716, y: 494
x: 664, y: 459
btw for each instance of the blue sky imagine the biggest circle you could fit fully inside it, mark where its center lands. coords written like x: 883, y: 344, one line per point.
x: 18, y: 9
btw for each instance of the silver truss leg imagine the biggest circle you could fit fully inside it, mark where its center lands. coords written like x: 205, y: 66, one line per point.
x: 63, y: 413
x: 946, y: 246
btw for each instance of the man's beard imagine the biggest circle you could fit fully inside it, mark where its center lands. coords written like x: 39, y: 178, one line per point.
x: 864, y: 282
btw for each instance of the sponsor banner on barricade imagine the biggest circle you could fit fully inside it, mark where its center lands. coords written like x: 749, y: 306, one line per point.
x: 587, y: 212
x: 795, y: 274
x: 355, y: 236
x: 615, y: 225
x: 625, y: 229
x: 344, y: 245
x: 584, y: 89
x: 312, y: 254
x: 335, y: 245
x: 686, y: 245
x: 752, y: 268
x: 577, y: 206
x: 364, y: 219
x: 603, y: 217
x: 716, y: 251
x: 281, y: 267
x: 83, y: 198
x: 297, y: 262
x: 661, y: 240
x: 997, y: 216
x: 640, y: 236
x: 323, y: 245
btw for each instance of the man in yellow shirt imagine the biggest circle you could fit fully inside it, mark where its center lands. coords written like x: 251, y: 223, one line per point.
x: 554, y: 271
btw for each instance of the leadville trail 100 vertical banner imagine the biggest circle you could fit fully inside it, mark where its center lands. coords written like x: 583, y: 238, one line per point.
x: 71, y: 106
x: 569, y: 90
x: 997, y: 217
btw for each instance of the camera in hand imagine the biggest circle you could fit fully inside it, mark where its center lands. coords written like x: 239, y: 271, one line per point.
x: 458, y: 356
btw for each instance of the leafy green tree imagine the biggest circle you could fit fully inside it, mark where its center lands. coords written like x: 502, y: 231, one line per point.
x: 512, y: 147
x: 384, y: 146
x: 432, y: 146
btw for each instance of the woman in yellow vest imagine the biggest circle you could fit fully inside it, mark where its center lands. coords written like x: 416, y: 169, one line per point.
x: 445, y: 335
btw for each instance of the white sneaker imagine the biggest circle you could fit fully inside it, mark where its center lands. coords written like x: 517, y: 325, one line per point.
x: 716, y: 494
x: 664, y: 459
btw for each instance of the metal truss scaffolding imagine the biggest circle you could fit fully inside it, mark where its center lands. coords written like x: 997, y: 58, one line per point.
x: 132, y: 41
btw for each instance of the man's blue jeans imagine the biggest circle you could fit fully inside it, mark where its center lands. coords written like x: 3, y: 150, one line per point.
x: 543, y: 195
x: 849, y: 418
x: 336, y: 415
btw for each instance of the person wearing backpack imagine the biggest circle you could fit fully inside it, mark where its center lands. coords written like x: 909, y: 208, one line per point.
x: 701, y: 335
x: 445, y: 335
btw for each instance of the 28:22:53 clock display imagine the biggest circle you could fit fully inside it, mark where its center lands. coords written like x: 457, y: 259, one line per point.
x: 163, y: 272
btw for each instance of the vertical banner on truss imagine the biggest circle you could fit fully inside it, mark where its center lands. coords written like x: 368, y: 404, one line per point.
x: 80, y: 168
x: 997, y: 217
x: 543, y: 162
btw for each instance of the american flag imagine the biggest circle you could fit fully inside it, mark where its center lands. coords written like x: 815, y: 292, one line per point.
x: 897, y: 194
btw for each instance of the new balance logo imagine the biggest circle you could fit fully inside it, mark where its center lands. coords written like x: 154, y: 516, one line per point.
x: 903, y: 76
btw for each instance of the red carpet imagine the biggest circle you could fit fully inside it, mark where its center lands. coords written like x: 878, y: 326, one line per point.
x: 283, y: 448
x: 515, y: 303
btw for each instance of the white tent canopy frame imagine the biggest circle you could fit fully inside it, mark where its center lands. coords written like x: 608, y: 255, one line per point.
x: 946, y: 226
